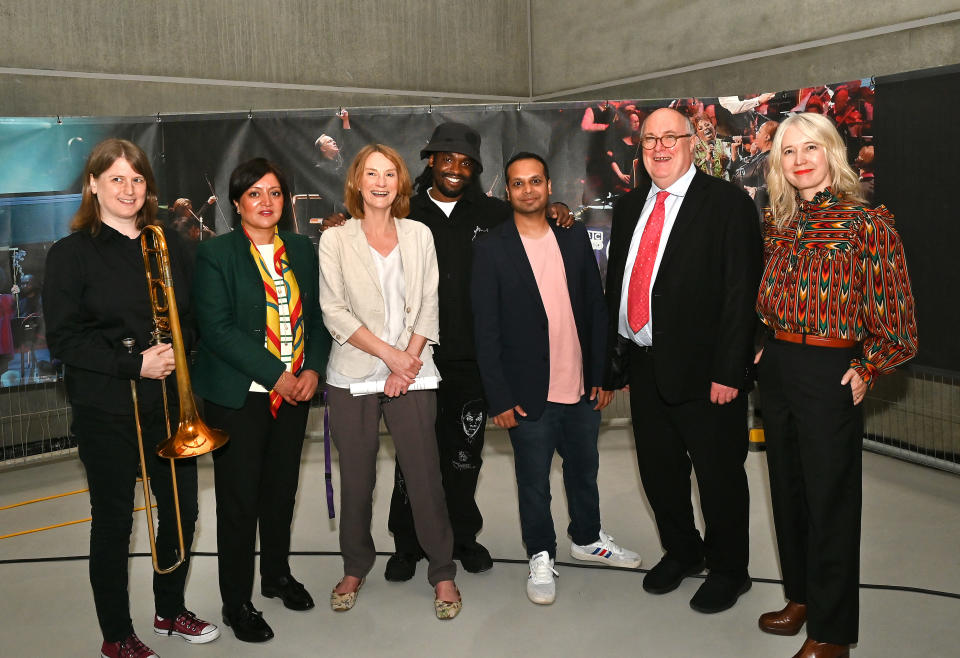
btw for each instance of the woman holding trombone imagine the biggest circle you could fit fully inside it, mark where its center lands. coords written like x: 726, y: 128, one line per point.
x: 99, y: 322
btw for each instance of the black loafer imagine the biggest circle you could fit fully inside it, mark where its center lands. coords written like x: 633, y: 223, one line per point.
x: 668, y: 573
x: 719, y: 593
x: 247, y: 623
x: 293, y: 594
x: 401, y: 567
x: 474, y: 557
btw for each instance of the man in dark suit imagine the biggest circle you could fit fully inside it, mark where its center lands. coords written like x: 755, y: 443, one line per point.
x: 684, y: 267
x: 540, y: 330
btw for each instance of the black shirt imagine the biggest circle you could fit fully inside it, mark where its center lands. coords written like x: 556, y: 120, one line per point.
x: 453, y: 236
x: 95, y: 295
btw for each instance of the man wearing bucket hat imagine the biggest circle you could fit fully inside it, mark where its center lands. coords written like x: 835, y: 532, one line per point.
x: 451, y: 202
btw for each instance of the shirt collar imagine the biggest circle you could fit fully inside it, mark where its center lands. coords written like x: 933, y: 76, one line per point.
x: 679, y: 187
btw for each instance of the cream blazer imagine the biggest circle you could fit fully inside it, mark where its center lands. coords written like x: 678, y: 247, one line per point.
x: 351, y: 297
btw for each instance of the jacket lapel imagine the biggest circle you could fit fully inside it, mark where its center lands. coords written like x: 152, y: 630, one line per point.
x: 408, y: 255
x: 686, y: 218
x: 516, y: 255
x: 361, y: 249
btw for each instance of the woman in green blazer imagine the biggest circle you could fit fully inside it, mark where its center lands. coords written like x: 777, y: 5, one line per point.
x: 262, y: 347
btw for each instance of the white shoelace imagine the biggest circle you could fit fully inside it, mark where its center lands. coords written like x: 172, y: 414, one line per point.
x: 540, y: 570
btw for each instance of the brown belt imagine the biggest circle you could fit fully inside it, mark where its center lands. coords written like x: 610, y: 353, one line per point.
x: 819, y: 341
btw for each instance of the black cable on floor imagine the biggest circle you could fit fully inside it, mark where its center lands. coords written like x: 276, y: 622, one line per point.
x: 574, y: 565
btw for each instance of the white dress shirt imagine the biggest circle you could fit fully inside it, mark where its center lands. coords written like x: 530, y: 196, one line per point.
x: 671, y: 207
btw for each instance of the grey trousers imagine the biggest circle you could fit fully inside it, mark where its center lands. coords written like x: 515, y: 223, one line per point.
x: 354, y: 426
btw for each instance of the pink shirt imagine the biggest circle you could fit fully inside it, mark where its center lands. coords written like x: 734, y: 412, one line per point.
x: 566, y: 361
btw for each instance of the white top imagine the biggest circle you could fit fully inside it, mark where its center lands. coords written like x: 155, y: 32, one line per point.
x: 445, y: 206
x: 671, y: 207
x: 390, y: 273
x: 286, y: 331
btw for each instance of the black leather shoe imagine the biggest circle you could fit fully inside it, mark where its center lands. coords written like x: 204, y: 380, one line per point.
x: 401, y: 567
x: 474, y: 557
x: 719, y: 593
x: 247, y: 623
x: 668, y: 573
x: 293, y: 594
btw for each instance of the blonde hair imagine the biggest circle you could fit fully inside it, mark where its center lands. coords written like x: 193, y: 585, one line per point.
x: 353, y: 199
x: 844, y: 182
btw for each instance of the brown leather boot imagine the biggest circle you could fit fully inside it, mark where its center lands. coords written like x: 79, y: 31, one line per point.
x: 788, y: 621
x: 813, y: 649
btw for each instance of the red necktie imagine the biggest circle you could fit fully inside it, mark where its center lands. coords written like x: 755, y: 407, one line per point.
x: 638, y: 295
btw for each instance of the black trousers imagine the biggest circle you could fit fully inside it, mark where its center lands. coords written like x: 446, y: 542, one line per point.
x: 107, y: 444
x: 711, y: 438
x: 256, y: 475
x: 461, y: 418
x: 814, y: 436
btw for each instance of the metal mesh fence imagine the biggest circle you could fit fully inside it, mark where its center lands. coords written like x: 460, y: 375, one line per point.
x: 913, y: 415
x: 34, y: 423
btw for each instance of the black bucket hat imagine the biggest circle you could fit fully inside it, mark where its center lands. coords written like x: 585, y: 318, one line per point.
x: 452, y: 137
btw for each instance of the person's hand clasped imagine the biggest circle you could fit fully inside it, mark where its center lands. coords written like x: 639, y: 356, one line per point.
x: 858, y: 387
x: 395, y: 386
x: 158, y: 361
x: 306, y: 385
x: 507, y: 419
x: 286, y: 387
x: 720, y: 394
x: 403, y: 363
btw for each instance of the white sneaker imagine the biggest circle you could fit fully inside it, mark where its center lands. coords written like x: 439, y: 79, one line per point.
x: 607, y: 551
x: 540, y: 586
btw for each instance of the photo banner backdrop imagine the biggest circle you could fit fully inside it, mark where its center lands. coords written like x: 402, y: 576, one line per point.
x: 591, y: 147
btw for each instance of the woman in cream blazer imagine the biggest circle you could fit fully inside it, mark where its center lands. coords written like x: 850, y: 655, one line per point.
x: 378, y: 292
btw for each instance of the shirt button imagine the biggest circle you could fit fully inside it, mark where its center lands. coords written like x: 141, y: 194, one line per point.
x: 408, y: 309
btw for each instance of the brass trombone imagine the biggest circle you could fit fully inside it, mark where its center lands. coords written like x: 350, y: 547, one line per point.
x: 193, y: 437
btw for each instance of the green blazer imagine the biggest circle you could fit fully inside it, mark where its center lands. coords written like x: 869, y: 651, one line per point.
x: 231, y: 313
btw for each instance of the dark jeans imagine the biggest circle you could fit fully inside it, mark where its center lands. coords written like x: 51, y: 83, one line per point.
x: 256, y: 475
x: 107, y: 444
x: 814, y: 436
x: 461, y: 418
x: 571, y: 430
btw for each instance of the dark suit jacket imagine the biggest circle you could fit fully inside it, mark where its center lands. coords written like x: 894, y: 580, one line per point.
x: 704, y: 294
x: 510, y: 323
x: 231, y: 312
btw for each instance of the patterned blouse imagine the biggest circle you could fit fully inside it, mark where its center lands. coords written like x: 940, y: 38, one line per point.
x: 838, y: 270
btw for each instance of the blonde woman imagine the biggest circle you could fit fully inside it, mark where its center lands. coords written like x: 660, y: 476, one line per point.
x: 836, y: 299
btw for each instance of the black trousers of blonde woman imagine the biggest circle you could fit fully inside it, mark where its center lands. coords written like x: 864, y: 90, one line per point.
x: 814, y: 436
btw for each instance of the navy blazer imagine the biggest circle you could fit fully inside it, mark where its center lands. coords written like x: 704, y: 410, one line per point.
x: 510, y: 323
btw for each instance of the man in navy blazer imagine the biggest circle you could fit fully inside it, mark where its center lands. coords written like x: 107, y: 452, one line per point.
x: 540, y: 324
x: 682, y: 279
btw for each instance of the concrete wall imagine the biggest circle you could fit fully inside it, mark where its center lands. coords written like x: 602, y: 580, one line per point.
x: 363, y: 52
x: 115, y: 57
x: 644, y: 42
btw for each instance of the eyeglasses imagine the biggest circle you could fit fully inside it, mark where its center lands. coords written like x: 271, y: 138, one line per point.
x: 649, y: 142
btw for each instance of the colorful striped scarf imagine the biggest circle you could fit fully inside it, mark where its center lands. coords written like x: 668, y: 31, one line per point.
x: 281, y: 265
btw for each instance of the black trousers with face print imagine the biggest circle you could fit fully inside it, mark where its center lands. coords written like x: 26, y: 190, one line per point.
x: 461, y: 417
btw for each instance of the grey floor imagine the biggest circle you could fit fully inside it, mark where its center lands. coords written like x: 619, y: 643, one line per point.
x: 911, y: 537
